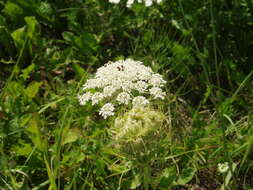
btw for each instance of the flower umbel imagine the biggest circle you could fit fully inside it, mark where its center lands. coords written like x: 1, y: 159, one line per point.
x: 114, y: 1
x: 124, y: 82
x: 129, y: 3
x: 107, y: 110
x: 137, y: 131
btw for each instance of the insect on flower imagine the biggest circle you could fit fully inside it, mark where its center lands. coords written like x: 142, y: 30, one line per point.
x: 120, y: 68
x: 122, y: 83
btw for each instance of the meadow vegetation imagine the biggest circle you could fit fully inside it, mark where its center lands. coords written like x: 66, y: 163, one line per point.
x: 198, y: 135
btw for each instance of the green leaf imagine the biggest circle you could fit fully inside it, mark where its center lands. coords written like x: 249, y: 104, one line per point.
x: 80, y: 72
x: 168, y: 177
x: 68, y: 36
x: 186, y: 176
x: 33, y: 130
x: 12, y: 10
x: 85, y: 42
x: 71, y: 135
x: 27, y: 71
x: 136, y: 182
x: 32, y: 89
x: 19, y: 37
x: 33, y: 29
x: 24, y: 150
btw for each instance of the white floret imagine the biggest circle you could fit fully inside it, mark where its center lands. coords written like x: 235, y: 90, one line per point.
x: 123, y: 98
x: 129, y: 3
x: 141, y: 86
x: 157, y: 80
x: 108, y: 91
x: 107, y: 110
x: 148, y: 3
x: 97, y: 97
x: 140, y: 101
x: 114, y: 1
x: 83, y: 99
x: 157, y: 93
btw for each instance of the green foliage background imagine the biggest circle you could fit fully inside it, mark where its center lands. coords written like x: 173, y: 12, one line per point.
x: 49, y: 48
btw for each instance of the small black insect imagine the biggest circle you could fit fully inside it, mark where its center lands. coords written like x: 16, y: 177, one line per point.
x: 120, y: 68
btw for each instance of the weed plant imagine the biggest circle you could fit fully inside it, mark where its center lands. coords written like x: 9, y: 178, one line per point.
x: 204, y: 137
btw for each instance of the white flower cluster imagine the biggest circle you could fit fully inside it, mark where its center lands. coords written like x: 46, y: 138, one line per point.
x: 223, y: 167
x: 129, y: 3
x: 122, y: 82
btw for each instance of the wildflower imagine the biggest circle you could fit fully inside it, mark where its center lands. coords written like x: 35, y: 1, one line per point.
x: 148, y: 3
x: 84, y: 98
x: 157, y: 80
x: 135, y: 128
x: 108, y: 91
x: 157, y: 93
x: 107, y: 110
x: 140, y: 101
x: 141, y: 86
x: 96, y: 98
x: 223, y: 167
x: 114, y: 1
x: 123, y: 82
x: 123, y: 98
x: 129, y: 3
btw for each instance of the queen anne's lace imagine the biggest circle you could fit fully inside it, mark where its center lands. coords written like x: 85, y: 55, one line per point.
x: 122, y: 82
x: 129, y: 3
x: 114, y: 1
x: 107, y: 110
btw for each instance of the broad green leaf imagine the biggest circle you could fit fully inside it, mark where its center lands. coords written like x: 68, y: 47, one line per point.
x: 23, y: 150
x: 71, y: 135
x: 33, y: 130
x: 168, y: 177
x: 32, y: 89
x: 73, y: 157
x: 19, y: 37
x: 33, y: 29
x: 186, y: 175
x: 69, y: 37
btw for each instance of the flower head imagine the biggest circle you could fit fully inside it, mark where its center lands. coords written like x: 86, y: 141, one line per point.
x: 107, y: 110
x: 140, y: 101
x: 129, y: 3
x: 137, y: 131
x: 123, y: 98
x: 223, y: 167
x: 123, y: 82
x: 114, y: 1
